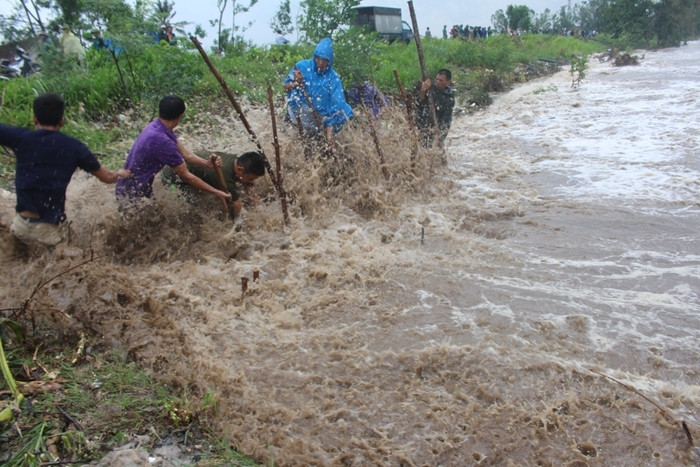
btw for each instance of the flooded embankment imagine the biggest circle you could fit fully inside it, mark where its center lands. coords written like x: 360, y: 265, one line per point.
x: 534, y: 302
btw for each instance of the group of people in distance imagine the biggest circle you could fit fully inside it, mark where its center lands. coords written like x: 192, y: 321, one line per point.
x: 46, y: 158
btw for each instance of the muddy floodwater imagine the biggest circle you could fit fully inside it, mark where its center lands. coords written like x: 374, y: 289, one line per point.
x: 533, y: 302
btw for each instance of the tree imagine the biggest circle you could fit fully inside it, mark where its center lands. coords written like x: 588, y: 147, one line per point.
x: 586, y: 16
x: 164, y: 12
x: 113, y: 15
x: 674, y: 22
x: 282, y: 21
x: 26, y: 21
x: 519, y: 17
x: 70, y: 12
x: 565, y: 20
x: 543, y: 22
x: 223, y: 33
x: 322, y: 18
x: 499, y: 21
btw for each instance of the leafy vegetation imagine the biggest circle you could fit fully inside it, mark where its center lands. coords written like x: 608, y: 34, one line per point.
x: 579, y: 65
x: 74, y: 407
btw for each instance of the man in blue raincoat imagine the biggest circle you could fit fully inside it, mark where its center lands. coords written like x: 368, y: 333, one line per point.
x: 317, y: 78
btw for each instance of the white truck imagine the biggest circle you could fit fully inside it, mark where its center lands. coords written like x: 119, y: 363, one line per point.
x: 385, y: 21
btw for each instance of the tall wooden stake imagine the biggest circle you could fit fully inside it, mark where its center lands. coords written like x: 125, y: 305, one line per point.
x: 241, y: 115
x: 423, y: 69
x: 222, y: 182
x: 319, y: 122
x: 409, y: 110
x: 375, y: 137
x: 278, y: 162
x: 407, y: 102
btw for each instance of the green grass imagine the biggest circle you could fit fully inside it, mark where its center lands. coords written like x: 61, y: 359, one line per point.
x: 110, y: 399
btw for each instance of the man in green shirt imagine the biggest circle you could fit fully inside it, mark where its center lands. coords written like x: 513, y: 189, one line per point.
x: 444, y: 99
x: 243, y: 169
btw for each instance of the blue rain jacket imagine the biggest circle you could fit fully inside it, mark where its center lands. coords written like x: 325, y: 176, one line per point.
x: 324, y: 88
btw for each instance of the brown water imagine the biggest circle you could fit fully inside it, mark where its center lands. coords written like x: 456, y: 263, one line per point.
x: 458, y: 315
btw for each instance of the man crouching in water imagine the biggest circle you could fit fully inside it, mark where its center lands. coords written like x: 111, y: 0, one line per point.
x: 243, y: 169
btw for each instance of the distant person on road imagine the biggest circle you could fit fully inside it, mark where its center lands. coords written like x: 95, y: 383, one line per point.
x: 237, y: 170
x: 72, y: 48
x: 444, y: 99
x: 46, y: 47
x: 167, y: 35
x: 280, y: 39
x: 156, y: 147
x: 317, y: 78
x: 428, y: 33
x: 97, y: 41
x: 46, y: 161
x: 444, y: 32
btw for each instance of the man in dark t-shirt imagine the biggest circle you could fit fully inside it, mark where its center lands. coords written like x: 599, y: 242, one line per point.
x: 46, y: 161
x: 243, y: 169
x: 444, y: 99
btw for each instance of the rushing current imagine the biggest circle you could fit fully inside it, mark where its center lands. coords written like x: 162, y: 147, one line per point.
x: 532, y: 302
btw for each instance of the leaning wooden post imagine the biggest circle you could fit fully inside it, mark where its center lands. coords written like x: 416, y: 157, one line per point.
x: 278, y: 162
x: 222, y: 182
x: 310, y: 103
x: 375, y: 137
x: 409, y: 111
x: 423, y: 69
x: 241, y: 115
x: 407, y: 102
x: 317, y: 117
x: 308, y: 150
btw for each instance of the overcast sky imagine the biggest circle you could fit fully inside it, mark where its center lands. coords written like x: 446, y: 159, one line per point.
x: 429, y: 13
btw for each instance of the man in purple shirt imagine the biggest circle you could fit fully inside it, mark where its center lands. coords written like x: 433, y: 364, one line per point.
x: 156, y: 147
x: 363, y: 93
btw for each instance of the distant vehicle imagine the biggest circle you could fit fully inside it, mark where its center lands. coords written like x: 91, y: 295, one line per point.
x: 385, y: 21
x: 20, y: 65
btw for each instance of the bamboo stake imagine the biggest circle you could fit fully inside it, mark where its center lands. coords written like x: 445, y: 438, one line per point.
x: 423, y: 69
x: 244, y: 286
x: 407, y: 102
x: 317, y: 117
x: 664, y: 411
x: 222, y: 182
x: 411, y: 121
x: 375, y: 137
x: 234, y: 102
x: 308, y: 153
x: 278, y: 162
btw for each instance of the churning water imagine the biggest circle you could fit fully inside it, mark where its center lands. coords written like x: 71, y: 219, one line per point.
x: 535, y: 302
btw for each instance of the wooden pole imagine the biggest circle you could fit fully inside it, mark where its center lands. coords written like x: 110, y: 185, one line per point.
x: 308, y: 152
x: 278, y: 162
x: 222, y: 182
x: 409, y: 110
x: 319, y: 122
x: 375, y: 137
x: 234, y: 102
x: 407, y: 102
x: 317, y: 117
x: 423, y: 69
